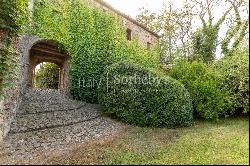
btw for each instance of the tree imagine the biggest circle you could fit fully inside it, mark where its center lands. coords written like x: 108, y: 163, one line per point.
x: 206, y: 39
x: 174, y: 25
x: 238, y: 31
x: 147, y: 19
x: 180, y: 37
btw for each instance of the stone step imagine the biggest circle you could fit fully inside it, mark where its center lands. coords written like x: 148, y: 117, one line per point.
x: 50, y: 119
x: 25, y: 146
x: 6, y: 149
x: 38, y: 107
x: 44, y: 95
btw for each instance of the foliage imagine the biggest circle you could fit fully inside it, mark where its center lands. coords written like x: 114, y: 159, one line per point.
x: 204, y: 43
x: 182, y: 39
x: 141, y: 96
x: 205, y: 40
x: 147, y: 19
x: 174, y: 25
x: 13, y: 15
x: 238, y: 31
x: 235, y: 71
x: 8, y: 69
x: 47, y: 76
x: 92, y: 38
x: 210, y: 100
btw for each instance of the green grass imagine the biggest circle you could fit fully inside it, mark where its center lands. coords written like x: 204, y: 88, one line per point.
x: 223, y: 142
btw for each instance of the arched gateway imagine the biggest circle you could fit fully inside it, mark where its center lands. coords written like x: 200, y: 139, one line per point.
x: 35, y: 51
x: 47, y: 51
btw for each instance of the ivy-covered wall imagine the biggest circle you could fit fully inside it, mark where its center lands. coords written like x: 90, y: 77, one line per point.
x: 93, y: 39
x: 13, y: 16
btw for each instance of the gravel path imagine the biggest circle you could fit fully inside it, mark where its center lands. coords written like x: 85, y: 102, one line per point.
x: 39, y: 133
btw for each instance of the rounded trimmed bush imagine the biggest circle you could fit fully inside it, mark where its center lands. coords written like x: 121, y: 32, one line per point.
x: 137, y: 95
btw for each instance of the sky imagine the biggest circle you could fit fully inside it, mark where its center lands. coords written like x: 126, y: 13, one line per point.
x: 130, y: 7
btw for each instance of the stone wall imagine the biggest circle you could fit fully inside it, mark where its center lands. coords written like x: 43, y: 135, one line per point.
x: 10, y: 105
x: 143, y: 36
x: 24, y: 46
x: 11, y: 102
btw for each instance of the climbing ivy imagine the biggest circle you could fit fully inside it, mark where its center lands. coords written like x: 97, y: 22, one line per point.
x: 13, y: 16
x: 8, y: 68
x: 93, y: 39
x: 204, y: 42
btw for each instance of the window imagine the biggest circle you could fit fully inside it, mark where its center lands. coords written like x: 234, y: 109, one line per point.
x: 105, y: 10
x: 129, y: 34
x: 149, y: 45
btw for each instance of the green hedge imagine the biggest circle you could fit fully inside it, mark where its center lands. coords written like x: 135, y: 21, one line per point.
x: 93, y: 39
x: 137, y: 95
x: 210, y: 99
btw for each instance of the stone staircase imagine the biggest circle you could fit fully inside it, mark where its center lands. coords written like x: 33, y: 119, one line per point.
x: 42, y: 109
x: 49, y: 121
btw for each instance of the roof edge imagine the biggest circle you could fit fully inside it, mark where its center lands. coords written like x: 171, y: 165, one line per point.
x: 126, y: 16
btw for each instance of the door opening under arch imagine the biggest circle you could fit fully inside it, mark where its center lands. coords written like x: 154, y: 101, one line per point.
x: 48, y: 53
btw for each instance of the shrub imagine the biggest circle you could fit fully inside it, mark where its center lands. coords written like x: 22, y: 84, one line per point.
x: 137, y: 95
x: 235, y: 71
x: 47, y: 76
x: 210, y: 100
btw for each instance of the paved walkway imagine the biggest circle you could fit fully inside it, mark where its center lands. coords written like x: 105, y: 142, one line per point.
x: 49, y: 123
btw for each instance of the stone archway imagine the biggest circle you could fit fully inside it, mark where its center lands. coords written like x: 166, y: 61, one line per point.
x: 34, y: 50
x: 47, y: 51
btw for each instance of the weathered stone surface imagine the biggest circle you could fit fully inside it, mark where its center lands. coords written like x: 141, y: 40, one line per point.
x: 41, y: 109
x: 15, y: 94
x: 40, y: 133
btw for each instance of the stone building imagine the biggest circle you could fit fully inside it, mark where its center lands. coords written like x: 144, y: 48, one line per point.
x: 33, y: 50
x: 133, y: 29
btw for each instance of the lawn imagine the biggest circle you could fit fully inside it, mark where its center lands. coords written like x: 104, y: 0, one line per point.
x: 223, y: 142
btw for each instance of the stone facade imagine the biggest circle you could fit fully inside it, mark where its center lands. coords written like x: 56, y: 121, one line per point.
x: 11, y: 103
x: 144, y: 35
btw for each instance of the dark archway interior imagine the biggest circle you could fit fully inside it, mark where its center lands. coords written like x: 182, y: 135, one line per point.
x: 48, y: 51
